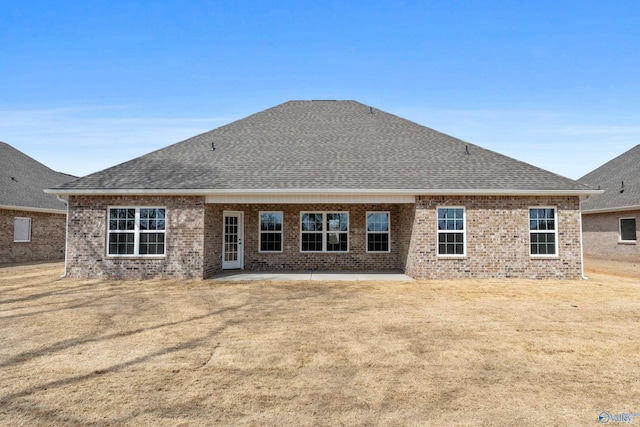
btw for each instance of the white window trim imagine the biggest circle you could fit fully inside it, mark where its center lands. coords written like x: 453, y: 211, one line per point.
x: 260, y: 232
x: 325, y: 232
x: 28, y: 231
x: 555, y: 231
x: 463, y: 232
x: 136, y: 233
x: 620, y: 231
x: 366, y: 227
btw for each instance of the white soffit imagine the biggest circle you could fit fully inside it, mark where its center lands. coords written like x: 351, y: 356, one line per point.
x: 30, y: 209
x: 309, y: 198
x: 609, y: 210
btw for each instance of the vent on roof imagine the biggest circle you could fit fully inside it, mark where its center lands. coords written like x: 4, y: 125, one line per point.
x: 622, y: 187
x: 213, y: 147
x: 370, y: 110
x: 466, y: 149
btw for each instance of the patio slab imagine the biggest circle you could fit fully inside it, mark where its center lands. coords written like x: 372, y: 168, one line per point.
x: 312, y: 275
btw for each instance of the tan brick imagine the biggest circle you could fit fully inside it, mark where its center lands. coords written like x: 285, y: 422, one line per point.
x: 47, y: 237
x: 601, y: 236
x: 497, y: 239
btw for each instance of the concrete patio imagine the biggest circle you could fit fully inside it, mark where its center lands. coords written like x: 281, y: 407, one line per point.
x: 311, y: 275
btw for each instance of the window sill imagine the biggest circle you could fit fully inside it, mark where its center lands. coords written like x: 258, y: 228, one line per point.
x: 452, y: 257
x: 628, y: 242
x: 136, y: 256
x: 324, y: 252
x: 544, y: 257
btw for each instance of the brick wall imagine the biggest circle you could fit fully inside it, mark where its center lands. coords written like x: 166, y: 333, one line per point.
x: 601, y: 234
x: 87, y: 238
x: 497, y: 236
x: 497, y: 239
x: 47, y: 237
x: 291, y: 259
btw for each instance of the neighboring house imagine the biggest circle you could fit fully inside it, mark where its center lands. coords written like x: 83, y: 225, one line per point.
x: 32, y: 223
x: 324, y: 185
x: 610, y: 220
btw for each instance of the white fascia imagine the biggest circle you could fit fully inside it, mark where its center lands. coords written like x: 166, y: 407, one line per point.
x: 607, y: 210
x: 325, y: 191
x: 30, y: 209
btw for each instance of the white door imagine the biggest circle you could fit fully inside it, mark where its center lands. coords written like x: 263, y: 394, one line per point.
x: 232, y: 234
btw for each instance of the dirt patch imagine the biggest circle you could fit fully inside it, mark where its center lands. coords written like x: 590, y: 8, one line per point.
x: 475, y: 352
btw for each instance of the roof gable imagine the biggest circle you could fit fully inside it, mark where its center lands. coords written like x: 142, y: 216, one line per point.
x: 610, y: 177
x: 23, y: 179
x: 322, y: 145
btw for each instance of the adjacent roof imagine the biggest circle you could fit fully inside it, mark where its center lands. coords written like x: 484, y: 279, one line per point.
x: 23, y: 179
x: 610, y: 177
x: 323, y: 145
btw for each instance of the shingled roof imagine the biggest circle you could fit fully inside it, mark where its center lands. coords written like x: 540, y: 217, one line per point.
x: 610, y: 177
x: 23, y: 179
x: 324, y: 145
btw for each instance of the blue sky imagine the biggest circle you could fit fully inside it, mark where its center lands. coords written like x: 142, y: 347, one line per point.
x: 87, y: 85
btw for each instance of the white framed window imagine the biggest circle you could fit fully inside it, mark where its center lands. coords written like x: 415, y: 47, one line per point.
x: 543, y: 231
x: 378, y: 232
x: 324, y: 232
x: 136, y: 231
x: 22, y: 230
x: 270, y: 238
x: 628, y: 230
x: 451, y: 231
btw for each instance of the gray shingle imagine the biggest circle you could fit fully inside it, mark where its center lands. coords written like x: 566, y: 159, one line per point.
x: 23, y: 179
x: 324, y: 145
x: 609, y: 177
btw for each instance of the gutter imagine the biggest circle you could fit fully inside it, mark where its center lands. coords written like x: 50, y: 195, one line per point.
x: 30, y: 209
x: 323, y: 191
x: 607, y: 210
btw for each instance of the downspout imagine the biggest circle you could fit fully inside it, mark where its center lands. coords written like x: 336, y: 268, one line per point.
x: 66, y: 234
x: 581, y: 246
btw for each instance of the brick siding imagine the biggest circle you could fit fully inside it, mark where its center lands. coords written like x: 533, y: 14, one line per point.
x: 184, y: 251
x: 47, y: 237
x: 497, y: 236
x: 601, y: 236
x: 291, y: 259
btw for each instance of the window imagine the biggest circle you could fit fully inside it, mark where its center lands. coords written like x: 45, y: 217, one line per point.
x: 451, y: 231
x: 270, y: 232
x: 324, y: 232
x: 378, y: 232
x: 628, y: 230
x: 22, y: 230
x: 136, y: 231
x: 543, y: 231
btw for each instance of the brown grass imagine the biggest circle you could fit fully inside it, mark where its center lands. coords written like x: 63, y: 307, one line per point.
x: 490, y: 352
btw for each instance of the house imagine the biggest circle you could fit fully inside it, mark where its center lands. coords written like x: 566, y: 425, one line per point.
x: 324, y: 185
x: 32, y: 223
x: 610, y: 220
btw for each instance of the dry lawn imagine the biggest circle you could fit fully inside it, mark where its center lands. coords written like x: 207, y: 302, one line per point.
x: 167, y: 353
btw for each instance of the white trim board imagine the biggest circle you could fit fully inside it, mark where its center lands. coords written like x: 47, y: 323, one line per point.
x: 28, y: 209
x: 308, y: 199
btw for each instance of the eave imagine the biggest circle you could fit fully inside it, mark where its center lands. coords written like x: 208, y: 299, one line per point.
x: 248, y: 195
x: 608, y: 210
x: 30, y: 209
